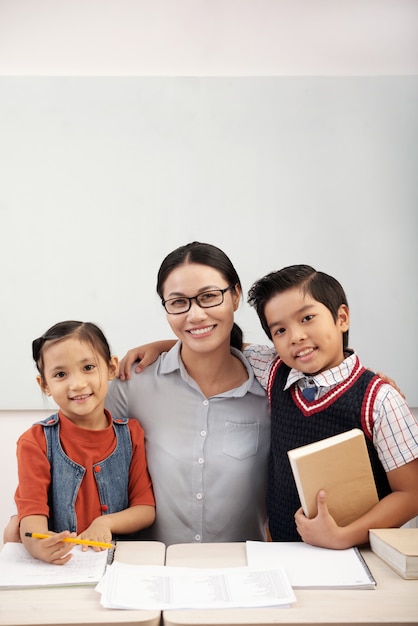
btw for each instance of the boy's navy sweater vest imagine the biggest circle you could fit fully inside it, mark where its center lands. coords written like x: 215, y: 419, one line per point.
x: 296, y: 422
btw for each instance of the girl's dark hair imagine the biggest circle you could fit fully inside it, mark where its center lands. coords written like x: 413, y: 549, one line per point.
x: 322, y: 287
x: 203, y: 254
x: 85, y: 331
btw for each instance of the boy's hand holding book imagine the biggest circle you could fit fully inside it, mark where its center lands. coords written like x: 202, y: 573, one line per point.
x: 336, y: 488
x: 323, y: 525
x: 323, y: 531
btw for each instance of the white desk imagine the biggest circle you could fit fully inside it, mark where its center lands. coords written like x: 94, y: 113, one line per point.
x: 393, y: 602
x: 79, y: 606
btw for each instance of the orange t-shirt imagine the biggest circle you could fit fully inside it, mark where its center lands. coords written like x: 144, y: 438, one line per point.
x: 85, y: 447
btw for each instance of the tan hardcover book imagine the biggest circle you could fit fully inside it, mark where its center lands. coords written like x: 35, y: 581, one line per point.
x: 341, y: 466
x: 398, y: 547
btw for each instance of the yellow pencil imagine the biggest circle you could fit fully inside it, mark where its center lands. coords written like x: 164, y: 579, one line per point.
x: 84, y: 542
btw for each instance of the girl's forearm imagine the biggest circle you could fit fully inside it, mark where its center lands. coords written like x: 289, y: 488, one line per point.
x: 127, y: 521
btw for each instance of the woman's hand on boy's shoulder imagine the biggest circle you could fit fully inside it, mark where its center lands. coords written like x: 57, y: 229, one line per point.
x: 390, y: 382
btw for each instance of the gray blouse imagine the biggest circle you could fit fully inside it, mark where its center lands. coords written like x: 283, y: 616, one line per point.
x: 207, y: 457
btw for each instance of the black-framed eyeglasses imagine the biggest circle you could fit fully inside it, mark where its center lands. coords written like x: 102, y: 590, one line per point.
x: 206, y: 300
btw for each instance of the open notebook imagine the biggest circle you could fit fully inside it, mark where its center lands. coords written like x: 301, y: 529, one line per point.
x: 309, y: 567
x: 19, y: 569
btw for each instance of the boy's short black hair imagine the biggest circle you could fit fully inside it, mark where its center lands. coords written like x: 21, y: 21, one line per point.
x: 322, y: 287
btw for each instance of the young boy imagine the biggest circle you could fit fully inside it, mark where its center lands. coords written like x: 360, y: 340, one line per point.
x: 317, y: 388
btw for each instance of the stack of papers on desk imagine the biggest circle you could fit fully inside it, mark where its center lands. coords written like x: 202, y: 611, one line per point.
x: 309, y: 567
x: 18, y: 569
x: 127, y: 586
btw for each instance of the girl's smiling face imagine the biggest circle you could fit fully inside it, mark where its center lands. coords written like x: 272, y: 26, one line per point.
x: 304, y: 332
x: 76, y: 376
x: 201, y: 329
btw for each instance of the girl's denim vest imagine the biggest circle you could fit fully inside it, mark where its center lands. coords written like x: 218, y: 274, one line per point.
x: 111, y: 474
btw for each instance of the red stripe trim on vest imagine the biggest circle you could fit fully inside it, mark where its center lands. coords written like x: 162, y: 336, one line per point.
x: 272, y: 376
x: 367, y: 420
x: 310, y: 408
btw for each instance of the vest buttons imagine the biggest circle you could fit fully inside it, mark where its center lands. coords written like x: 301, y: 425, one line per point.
x: 97, y: 469
x: 104, y: 507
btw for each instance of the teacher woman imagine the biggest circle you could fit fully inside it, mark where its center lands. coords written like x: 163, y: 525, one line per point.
x: 206, y: 418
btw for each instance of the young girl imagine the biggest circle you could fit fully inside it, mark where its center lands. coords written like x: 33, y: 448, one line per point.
x: 80, y: 471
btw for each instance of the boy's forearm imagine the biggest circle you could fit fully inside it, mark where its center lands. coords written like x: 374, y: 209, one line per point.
x: 391, y: 512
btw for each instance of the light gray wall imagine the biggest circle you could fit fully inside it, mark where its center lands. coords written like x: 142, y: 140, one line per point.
x: 102, y: 177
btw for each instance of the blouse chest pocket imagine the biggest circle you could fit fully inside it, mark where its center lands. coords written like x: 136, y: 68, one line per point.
x: 240, y: 440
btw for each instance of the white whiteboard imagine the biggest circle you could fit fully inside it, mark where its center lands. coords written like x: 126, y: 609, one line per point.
x: 102, y: 177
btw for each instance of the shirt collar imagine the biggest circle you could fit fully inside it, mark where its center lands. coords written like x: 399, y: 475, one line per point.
x: 328, y: 378
x: 171, y: 362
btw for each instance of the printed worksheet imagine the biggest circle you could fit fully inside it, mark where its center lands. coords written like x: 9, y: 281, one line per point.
x: 126, y: 586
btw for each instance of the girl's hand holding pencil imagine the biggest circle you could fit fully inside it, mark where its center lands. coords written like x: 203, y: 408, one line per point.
x: 52, y: 548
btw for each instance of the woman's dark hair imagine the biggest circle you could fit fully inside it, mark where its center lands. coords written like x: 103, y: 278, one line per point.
x: 85, y: 331
x: 322, y: 287
x: 203, y: 254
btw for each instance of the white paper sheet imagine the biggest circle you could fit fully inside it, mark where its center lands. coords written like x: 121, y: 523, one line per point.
x: 128, y: 586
